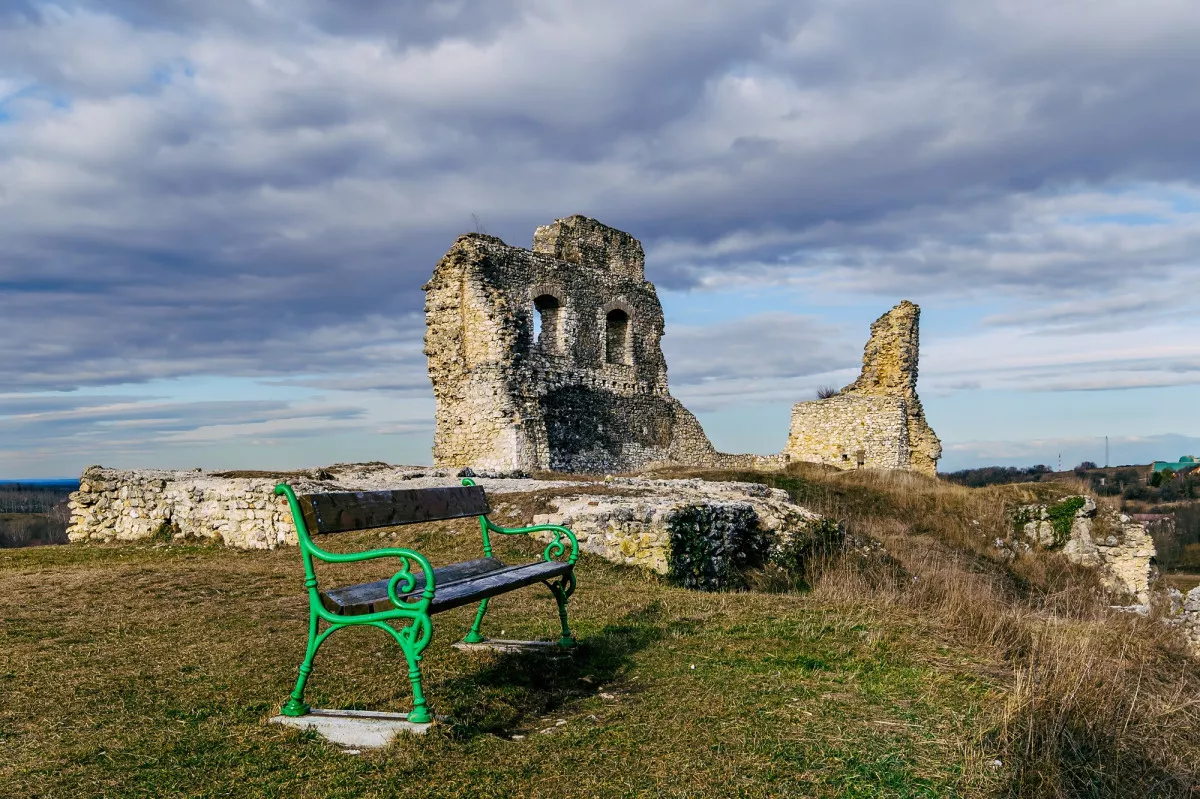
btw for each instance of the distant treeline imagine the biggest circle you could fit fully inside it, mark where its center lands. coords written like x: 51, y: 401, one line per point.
x: 34, y: 513
x: 996, y: 475
x: 33, y: 497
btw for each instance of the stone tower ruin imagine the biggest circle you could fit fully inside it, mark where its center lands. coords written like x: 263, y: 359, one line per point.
x: 877, y: 421
x: 549, y: 359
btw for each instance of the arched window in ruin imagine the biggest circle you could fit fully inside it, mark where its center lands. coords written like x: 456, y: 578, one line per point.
x: 616, y: 336
x: 547, y: 313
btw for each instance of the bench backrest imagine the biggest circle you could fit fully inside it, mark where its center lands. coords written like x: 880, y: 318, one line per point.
x: 339, y: 511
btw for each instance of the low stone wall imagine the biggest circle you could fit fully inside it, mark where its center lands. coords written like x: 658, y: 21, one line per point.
x: 636, y: 530
x: 1184, y: 613
x: 1099, y: 538
x: 136, y: 505
x: 240, y: 509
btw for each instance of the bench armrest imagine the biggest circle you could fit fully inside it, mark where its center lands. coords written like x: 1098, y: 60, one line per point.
x: 554, y: 549
x: 404, y: 578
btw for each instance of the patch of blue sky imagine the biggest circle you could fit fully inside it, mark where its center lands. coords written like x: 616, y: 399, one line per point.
x: 1010, y: 414
x: 700, y: 307
x: 853, y: 313
x: 1185, y: 203
x: 171, y: 73
x: 1128, y: 220
x: 1027, y: 452
x: 1177, y: 197
x: 756, y: 428
x: 943, y: 317
x: 205, y: 388
x: 31, y: 92
x: 728, y: 304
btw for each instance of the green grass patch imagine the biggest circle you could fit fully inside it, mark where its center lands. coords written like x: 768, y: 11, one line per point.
x: 150, y: 671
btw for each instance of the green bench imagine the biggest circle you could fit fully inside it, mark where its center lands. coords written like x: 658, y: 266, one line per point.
x: 417, y: 591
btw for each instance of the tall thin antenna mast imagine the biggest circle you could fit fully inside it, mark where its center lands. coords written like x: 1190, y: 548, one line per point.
x: 1106, y: 452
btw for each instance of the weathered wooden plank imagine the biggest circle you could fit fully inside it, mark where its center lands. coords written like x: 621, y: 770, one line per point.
x: 488, y: 585
x: 478, y: 579
x: 339, y: 511
x: 355, y: 600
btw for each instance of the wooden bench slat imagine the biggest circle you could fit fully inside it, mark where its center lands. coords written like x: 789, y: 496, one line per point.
x: 338, y: 511
x: 483, y: 579
x: 355, y: 600
x: 489, y: 585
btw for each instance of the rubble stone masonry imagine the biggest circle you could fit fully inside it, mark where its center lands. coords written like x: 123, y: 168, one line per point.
x: 550, y: 358
x: 877, y: 421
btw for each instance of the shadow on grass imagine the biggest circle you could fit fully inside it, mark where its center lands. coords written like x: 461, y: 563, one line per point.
x: 1083, y: 762
x: 513, y: 689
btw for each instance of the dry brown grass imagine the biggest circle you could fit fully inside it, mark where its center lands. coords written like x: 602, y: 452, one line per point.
x: 1101, y: 702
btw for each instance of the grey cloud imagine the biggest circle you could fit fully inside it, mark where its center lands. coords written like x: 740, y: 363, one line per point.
x: 404, y: 379
x: 1077, y: 314
x: 15, y: 405
x: 762, y: 346
x: 766, y: 357
x: 1095, y: 367
x: 91, y: 429
x: 154, y: 417
x: 275, y: 211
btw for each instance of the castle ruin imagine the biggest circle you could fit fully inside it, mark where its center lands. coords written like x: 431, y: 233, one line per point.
x: 551, y: 359
x: 877, y: 421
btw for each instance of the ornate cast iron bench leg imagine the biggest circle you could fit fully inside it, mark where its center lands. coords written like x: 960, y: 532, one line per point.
x: 562, y: 591
x: 295, y: 704
x: 474, y: 636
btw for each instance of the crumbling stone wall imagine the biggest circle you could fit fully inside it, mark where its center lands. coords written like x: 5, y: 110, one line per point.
x: 237, y: 509
x: 877, y: 421
x: 240, y: 510
x: 1183, y: 612
x: 588, y: 391
x: 636, y: 530
x: 113, y: 505
x: 1099, y: 538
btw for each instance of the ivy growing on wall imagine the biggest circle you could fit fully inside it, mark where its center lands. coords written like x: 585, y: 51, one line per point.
x: 714, y: 546
x: 1062, y: 516
x: 1020, y: 518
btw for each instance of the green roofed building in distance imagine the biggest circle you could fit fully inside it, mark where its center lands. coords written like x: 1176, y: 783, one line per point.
x: 1185, y: 463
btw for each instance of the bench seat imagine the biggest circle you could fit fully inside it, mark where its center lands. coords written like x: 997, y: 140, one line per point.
x: 455, y: 585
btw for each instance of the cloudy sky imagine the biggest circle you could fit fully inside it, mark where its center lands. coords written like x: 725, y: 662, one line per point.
x: 215, y: 218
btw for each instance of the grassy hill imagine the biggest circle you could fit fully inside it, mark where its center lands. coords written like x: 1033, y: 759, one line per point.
x: 933, y: 670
